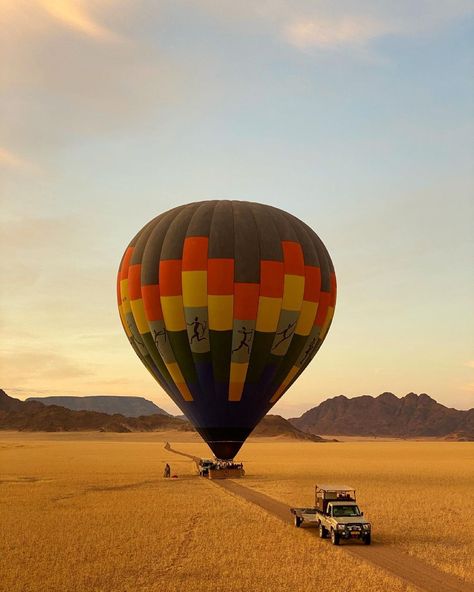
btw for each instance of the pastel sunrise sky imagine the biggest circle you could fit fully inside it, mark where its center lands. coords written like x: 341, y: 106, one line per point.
x: 356, y: 116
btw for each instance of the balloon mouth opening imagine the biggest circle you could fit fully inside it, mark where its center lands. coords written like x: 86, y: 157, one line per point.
x: 225, y: 450
x: 224, y: 443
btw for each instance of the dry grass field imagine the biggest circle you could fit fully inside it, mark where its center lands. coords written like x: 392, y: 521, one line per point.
x: 418, y: 495
x: 91, y: 512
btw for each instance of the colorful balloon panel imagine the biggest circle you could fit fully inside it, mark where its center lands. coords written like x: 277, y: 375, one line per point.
x: 226, y: 303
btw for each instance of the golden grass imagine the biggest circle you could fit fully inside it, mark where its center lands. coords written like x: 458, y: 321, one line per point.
x: 92, y: 513
x: 418, y: 495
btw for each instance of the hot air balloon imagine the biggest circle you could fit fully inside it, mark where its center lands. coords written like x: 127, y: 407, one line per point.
x: 226, y: 303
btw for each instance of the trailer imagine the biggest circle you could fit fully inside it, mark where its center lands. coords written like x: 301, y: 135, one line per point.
x: 335, y: 513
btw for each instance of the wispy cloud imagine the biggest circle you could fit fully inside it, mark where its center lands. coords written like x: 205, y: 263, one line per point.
x: 75, y: 15
x: 35, y: 365
x: 10, y: 160
x: 331, y: 26
x: 334, y: 33
x: 327, y: 26
x: 76, y: 68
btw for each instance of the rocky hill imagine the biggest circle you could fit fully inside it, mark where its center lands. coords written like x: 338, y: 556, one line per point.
x: 36, y: 417
x: 387, y: 415
x: 275, y: 425
x: 32, y: 415
x: 128, y: 406
x: 412, y: 416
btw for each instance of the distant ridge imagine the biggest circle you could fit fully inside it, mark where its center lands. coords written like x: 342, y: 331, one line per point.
x: 128, y: 406
x: 32, y: 415
x: 411, y: 416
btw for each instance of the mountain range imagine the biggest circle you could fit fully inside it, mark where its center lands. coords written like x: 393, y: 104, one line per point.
x: 128, y: 406
x: 33, y: 415
x: 412, y: 416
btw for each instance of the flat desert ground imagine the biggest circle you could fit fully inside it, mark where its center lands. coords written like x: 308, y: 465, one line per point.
x: 91, y: 512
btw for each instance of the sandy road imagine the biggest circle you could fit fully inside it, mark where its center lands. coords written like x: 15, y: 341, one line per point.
x: 409, y: 569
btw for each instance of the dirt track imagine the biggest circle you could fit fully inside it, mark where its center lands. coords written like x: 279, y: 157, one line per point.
x: 409, y: 569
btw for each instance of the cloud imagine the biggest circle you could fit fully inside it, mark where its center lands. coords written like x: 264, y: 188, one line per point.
x: 30, y: 366
x: 326, y: 25
x: 470, y: 364
x: 68, y: 76
x: 76, y: 69
x: 331, y: 34
x: 10, y: 160
x: 74, y: 14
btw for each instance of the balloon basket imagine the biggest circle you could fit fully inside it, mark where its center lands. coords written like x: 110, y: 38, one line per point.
x: 226, y: 473
x: 220, y: 469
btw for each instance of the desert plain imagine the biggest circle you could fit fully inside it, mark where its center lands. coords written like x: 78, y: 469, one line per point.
x: 91, y: 512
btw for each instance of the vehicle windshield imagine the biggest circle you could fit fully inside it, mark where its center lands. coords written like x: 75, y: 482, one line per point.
x: 345, y: 511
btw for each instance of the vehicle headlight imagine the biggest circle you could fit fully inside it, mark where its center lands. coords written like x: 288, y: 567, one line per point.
x: 341, y: 526
x: 366, y: 526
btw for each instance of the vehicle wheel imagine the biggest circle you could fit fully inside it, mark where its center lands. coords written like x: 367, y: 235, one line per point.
x: 334, y: 537
x: 298, y: 521
x: 367, y: 539
x: 323, y: 533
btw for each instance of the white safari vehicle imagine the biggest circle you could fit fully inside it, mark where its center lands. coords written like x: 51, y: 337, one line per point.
x: 336, y: 514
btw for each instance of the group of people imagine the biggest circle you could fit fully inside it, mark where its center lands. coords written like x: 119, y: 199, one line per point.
x: 216, y: 465
x: 228, y: 464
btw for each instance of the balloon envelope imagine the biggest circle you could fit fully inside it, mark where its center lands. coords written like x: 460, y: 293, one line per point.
x: 226, y: 303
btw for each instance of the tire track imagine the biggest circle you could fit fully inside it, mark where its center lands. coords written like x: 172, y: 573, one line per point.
x: 414, y: 571
x: 105, y: 489
x: 182, y: 551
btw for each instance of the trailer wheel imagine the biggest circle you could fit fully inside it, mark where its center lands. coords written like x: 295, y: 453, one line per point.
x: 323, y: 533
x: 367, y: 539
x: 298, y: 521
x: 334, y: 537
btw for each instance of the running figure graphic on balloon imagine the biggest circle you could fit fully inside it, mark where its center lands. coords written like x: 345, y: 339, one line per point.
x: 245, y: 336
x: 199, y: 329
x: 308, y: 353
x: 285, y: 334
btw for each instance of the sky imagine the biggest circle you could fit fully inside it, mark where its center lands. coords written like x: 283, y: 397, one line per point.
x: 356, y: 117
